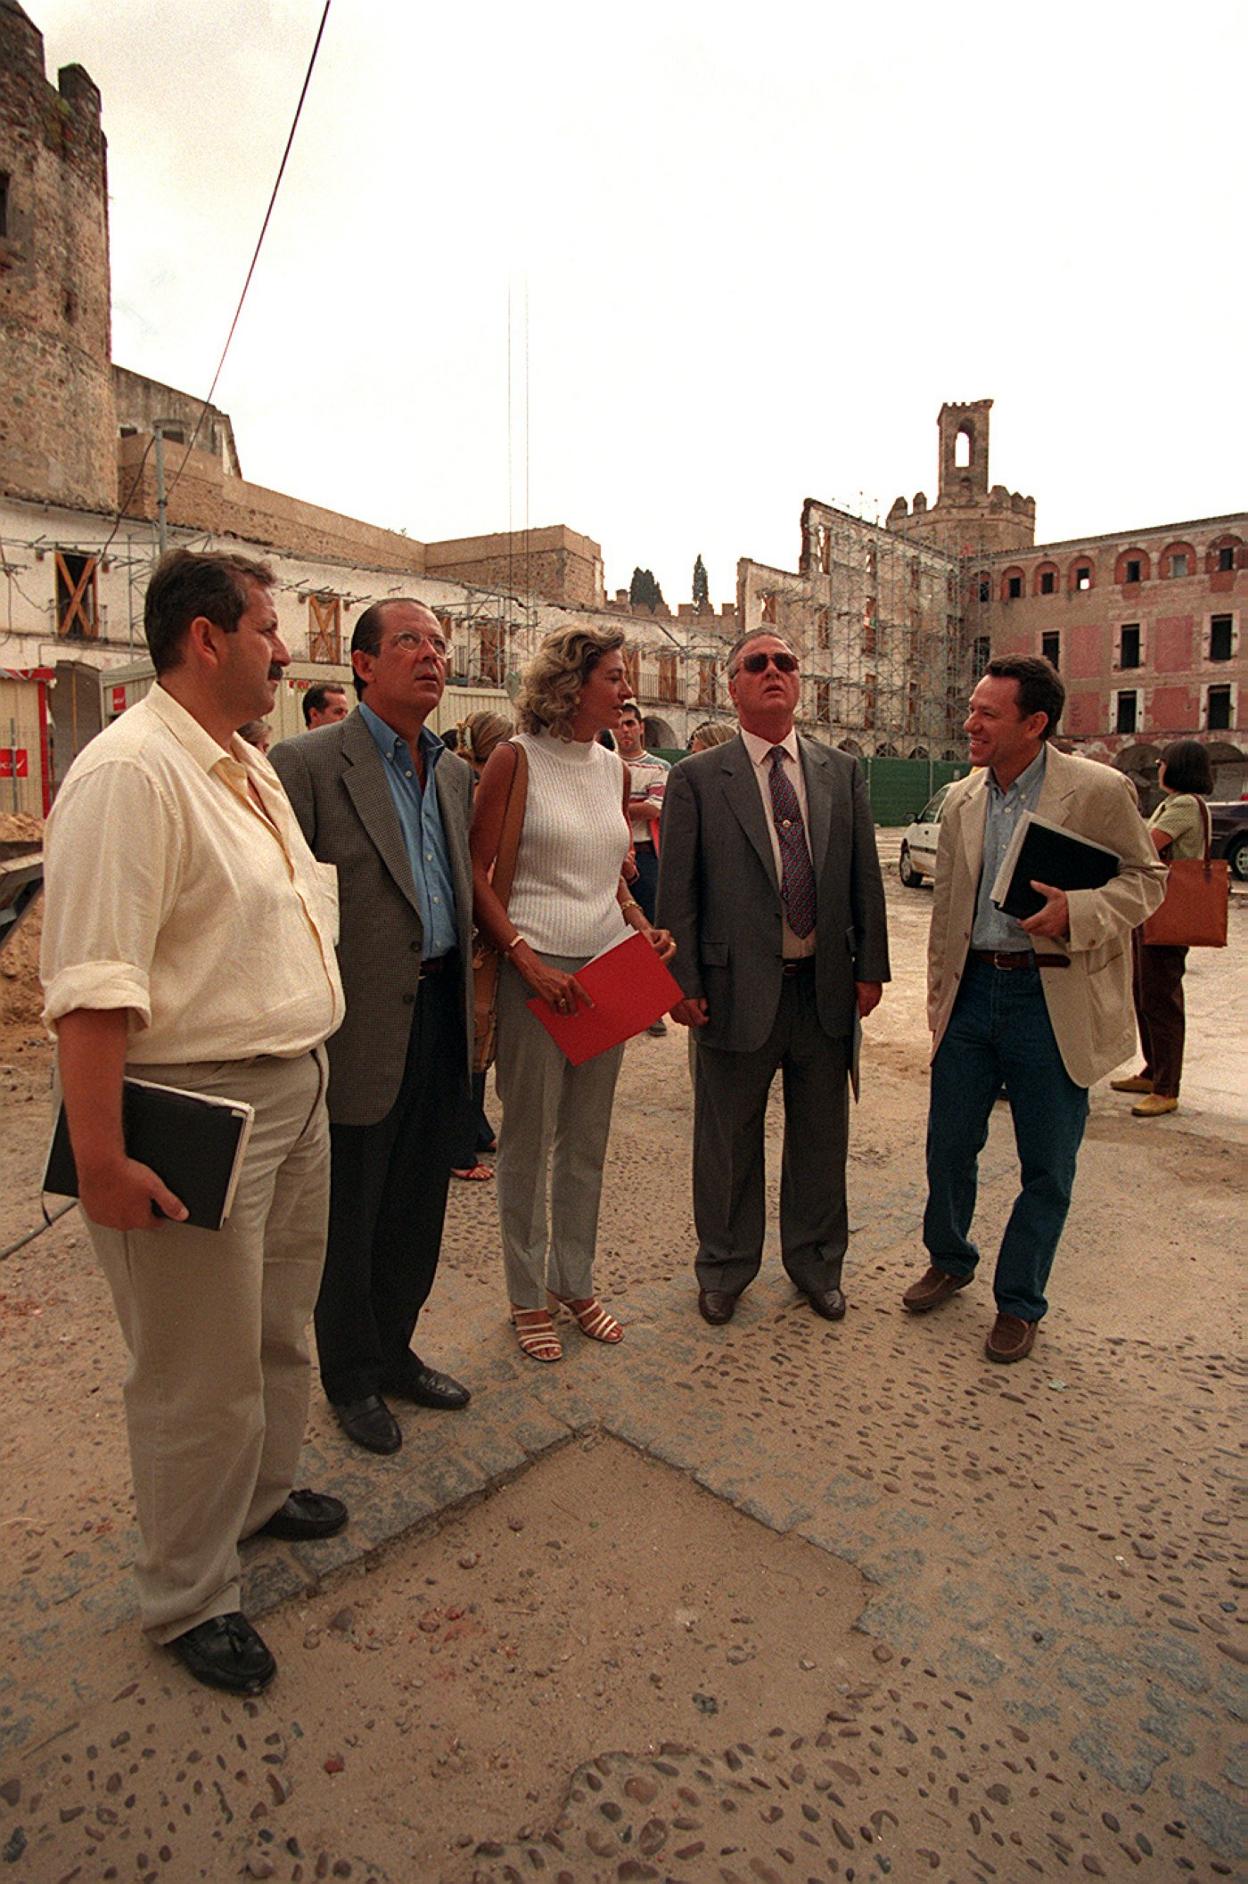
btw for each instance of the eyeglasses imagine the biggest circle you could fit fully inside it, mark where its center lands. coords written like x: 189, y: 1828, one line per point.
x: 758, y: 663
x: 409, y: 643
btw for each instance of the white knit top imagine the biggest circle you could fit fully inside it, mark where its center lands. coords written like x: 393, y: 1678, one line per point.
x: 572, y: 845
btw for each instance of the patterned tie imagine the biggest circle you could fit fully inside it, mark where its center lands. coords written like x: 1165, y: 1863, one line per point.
x: 797, y: 877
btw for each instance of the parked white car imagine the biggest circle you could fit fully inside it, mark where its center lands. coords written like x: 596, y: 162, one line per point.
x: 918, y: 843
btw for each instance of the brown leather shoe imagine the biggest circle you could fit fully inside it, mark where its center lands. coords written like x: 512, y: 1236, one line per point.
x: 933, y: 1287
x: 716, y: 1306
x: 1010, y: 1339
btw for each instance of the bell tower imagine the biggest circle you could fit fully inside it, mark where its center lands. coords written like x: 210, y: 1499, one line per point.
x: 970, y: 516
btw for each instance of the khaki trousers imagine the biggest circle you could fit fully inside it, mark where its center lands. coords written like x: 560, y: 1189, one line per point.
x: 556, y: 1118
x: 216, y: 1324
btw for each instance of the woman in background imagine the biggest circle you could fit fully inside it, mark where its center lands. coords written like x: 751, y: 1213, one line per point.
x: 475, y: 739
x: 711, y: 733
x: 568, y: 903
x: 1179, y: 826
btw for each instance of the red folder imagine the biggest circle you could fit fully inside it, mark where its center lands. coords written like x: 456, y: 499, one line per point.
x: 629, y: 987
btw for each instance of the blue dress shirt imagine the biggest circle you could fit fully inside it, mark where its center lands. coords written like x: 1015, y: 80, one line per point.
x: 993, y: 928
x: 424, y: 839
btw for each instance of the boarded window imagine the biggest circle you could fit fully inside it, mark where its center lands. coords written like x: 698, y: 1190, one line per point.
x: 492, y: 653
x: 632, y: 670
x: 706, y: 680
x: 869, y: 693
x: 1178, y: 563
x: 823, y: 703
x: 668, y: 677
x: 325, y: 628
x: 823, y: 627
x: 77, y: 598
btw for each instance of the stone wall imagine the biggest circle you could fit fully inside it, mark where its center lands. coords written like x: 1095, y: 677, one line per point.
x: 554, y: 563
x: 56, y: 398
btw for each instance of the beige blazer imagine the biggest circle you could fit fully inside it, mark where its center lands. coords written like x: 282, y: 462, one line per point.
x: 1089, y: 1003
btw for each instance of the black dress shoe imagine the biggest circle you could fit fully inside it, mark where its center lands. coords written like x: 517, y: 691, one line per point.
x: 306, y: 1514
x: 226, y: 1652
x: 829, y: 1303
x: 427, y: 1387
x: 716, y: 1306
x: 370, y: 1423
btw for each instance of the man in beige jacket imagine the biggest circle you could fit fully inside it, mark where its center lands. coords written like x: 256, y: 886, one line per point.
x: 1041, y: 1006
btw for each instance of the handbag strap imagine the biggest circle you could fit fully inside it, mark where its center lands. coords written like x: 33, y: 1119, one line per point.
x: 513, y: 823
x: 1207, y: 821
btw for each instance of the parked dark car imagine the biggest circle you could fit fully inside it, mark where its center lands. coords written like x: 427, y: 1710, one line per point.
x: 1230, y: 835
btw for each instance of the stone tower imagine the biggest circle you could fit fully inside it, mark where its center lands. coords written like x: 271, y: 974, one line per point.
x: 57, y: 423
x: 969, y: 518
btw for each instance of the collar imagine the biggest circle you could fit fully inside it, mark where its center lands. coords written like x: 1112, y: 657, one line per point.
x: 759, y: 749
x: 387, y: 740
x: 194, y: 739
x: 1028, y: 780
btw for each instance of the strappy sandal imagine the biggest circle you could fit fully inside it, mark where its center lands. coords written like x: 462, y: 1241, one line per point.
x: 536, y: 1334
x: 473, y: 1173
x: 591, y: 1318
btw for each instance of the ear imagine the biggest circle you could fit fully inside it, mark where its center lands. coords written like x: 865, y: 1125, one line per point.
x: 202, y: 645
x: 362, y: 664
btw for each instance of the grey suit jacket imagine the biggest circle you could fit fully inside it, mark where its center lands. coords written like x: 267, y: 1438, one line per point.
x: 720, y: 896
x: 336, y: 780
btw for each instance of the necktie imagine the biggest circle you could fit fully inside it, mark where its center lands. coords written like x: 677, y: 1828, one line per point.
x: 797, y: 877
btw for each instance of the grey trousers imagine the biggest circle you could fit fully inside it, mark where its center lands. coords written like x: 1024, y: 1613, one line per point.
x: 729, y: 1176
x: 556, y: 1118
x: 216, y: 1324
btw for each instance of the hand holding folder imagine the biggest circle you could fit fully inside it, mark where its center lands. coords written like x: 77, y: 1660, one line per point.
x: 629, y: 987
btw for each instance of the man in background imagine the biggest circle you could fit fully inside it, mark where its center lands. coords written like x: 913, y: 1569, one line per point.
x: 647, y: 783
x: 324, y: 705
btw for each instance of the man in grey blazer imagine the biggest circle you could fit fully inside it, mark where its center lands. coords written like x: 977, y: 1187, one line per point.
x: 770, y: 883
x: 384, y: 808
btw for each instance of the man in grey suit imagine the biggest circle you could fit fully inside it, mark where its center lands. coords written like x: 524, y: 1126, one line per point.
x: 381, y: 800
x: 770, y: 883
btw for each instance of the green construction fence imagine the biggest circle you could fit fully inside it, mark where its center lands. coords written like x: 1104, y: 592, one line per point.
x: 899, y: 787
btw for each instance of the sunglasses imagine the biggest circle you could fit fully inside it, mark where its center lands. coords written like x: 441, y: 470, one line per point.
x: 758, y: 663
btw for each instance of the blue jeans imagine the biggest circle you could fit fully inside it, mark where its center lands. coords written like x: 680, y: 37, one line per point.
x: 1000, y: 1033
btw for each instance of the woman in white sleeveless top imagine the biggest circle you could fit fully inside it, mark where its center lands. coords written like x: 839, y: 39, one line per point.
x: 568, y: 902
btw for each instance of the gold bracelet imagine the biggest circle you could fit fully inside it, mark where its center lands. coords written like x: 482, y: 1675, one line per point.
x: 632, y: 903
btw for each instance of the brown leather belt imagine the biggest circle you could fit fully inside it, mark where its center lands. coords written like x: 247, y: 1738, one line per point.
x: 1018, y: 958
x: 798, y: 965
x: 439, y: 965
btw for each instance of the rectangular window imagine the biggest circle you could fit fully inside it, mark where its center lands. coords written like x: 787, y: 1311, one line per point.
x: 1133, y: 570
x: 1226, y: 558
x: 491, y: 665
x: 1051, y: 647
x: 823, y: 628
x: 769, y: 608
x: 823, y: 703
x: 667, y: 677
x: 984, y: 589
x: 981, y: 654
x: 869, y: 700
x: 1219, y: 715
x: 1014, y: 588
x: 1221, y: 637
x: 1048, y: 583
x: 77, y: 600
x: 706, y: 680
x: 1083, y: 578
x: 325, y: 628
x: 1129, y: 647
x: 1126, y: 716
x: 1178, y: 564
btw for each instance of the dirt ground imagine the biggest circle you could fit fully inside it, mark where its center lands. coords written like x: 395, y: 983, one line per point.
x: 783, y: 1601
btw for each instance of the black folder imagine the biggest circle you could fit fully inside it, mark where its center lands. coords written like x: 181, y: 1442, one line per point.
x: 1041, y: 852
x: 194, y: 1141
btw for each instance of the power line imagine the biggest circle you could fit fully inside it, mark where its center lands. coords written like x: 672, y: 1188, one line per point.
x: 277, y: 184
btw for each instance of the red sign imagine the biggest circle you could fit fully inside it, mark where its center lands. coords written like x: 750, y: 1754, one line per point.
x: 119, y: 699
x: 14, y: 762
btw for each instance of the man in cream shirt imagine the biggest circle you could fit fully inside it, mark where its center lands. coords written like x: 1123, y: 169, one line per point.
x: 189, y: 939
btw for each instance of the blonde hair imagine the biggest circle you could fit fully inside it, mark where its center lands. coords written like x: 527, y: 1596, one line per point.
x: 479, y: 734
x: 712, y: 733
x: 551, y: 684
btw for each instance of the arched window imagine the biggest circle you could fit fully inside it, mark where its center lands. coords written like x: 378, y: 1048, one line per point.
x: 1082, y: 574
x: 1133, y: 565
x: 1225, y: 555
x: 1011, y: 584
x: 1177, y: 559
x: 1046, y: 579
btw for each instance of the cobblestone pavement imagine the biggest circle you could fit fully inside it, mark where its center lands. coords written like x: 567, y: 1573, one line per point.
x: 1051, y: 1664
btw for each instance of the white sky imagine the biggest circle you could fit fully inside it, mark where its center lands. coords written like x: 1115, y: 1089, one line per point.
x: 760, y: 248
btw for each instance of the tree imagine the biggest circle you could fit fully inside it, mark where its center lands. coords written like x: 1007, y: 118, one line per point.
x: 644, y: 591
x: 701, y: 588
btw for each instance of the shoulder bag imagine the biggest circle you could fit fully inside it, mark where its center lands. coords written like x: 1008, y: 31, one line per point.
x: 486, y: 959
x: 1198, y: 893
